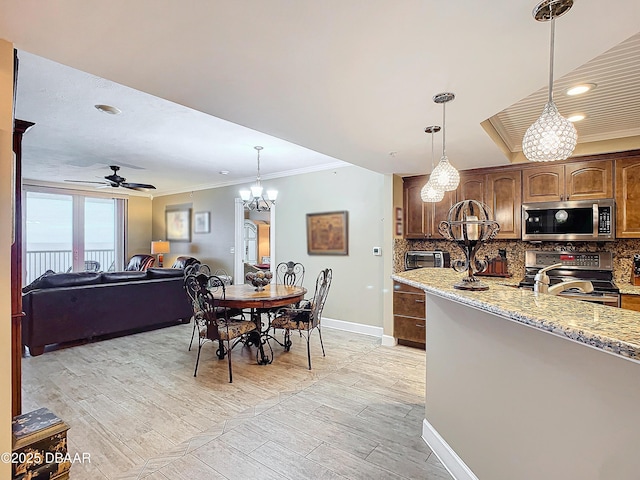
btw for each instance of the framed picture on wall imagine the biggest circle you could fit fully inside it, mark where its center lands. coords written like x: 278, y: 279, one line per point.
x: 202, y: 222
x: 178, y: 224
x: 328, y: 233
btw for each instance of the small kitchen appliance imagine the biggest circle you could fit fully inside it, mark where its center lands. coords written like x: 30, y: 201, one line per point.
x: 423, y: 258
x: 596, y: 267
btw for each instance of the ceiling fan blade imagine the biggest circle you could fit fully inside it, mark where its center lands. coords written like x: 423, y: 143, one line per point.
x: 135, y: 186
x: 85, y: 181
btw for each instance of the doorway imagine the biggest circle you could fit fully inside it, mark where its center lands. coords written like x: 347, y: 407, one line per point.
x: 250, y: 250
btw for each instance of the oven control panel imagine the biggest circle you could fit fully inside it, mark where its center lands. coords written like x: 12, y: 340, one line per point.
x: 579, y: 260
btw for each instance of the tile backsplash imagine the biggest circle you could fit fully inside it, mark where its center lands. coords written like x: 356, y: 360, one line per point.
x: 622, y: 249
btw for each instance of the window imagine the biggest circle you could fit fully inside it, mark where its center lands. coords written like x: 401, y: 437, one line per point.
x: 72, y: 232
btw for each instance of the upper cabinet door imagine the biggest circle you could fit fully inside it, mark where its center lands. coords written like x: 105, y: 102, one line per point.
x: 543, y: 184
x: 628, y: 198
x: 503, y: 192
x: 589, y: 180
x: 437, y: 212
x: 414, y: 207
x: 472, y: 187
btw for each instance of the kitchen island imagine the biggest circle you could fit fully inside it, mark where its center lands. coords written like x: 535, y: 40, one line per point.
x: 525, y: 386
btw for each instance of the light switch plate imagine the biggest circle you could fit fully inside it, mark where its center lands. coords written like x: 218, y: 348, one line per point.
x: 377, y: 251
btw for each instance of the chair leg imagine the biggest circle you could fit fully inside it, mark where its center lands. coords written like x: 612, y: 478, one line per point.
x: 309, y: 349
x: 229, y: 356
x: 193, y: 333
x: 321, y: 344
x: 197, y: 358
x: 287, y: 340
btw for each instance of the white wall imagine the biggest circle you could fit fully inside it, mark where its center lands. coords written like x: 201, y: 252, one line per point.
x: 518, y: 403
x: 6, y: 173
x: 358, y: 287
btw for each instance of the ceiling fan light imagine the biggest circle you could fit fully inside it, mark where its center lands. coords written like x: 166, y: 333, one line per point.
x: 552, y: 137
x: 445, y: 175
x: 430, y: 193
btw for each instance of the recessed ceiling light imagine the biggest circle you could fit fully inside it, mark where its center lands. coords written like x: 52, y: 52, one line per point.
x: 108, y: 109
x: 224, y: 172
x: 576, y: 118
x: 580, y: 89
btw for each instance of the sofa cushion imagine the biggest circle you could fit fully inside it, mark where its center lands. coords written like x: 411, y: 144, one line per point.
x: 164, y: 272
x: 114, y: 277
x: 33, y: 285
x: 57, y: 280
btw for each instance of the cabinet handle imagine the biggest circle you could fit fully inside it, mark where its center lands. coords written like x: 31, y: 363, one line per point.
x: 419, y: 325
x: 419, y: 301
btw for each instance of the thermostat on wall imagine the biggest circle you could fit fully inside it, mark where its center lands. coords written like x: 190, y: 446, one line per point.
x: 377, y: 250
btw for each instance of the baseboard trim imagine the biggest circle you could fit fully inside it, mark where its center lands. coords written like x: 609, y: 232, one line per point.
x: 389, y: 341
x: 352, y: 327
x: 449, y: 459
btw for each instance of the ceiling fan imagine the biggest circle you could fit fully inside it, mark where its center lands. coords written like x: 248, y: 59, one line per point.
x: 115, y: 180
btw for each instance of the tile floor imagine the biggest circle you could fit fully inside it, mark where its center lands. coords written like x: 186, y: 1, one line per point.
x: 135, y: 407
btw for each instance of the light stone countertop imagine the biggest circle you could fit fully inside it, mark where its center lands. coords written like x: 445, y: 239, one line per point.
x: 628, y: 289
x: 614, y: 330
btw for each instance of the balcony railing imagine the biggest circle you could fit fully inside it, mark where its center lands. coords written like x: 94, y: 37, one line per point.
x: 39, y: 261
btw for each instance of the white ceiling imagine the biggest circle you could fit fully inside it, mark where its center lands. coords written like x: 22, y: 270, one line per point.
x: 349, y: 80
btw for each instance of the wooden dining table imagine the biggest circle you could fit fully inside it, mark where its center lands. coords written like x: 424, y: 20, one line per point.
x: 273, y: 295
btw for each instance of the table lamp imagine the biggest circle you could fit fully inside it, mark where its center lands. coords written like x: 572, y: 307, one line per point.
x: 160, y: 247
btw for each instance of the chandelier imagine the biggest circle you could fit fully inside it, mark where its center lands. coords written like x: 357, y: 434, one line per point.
x: 253, y: 199
x: 431, y: 193
x: 444, y: 176
x: 551, y: 137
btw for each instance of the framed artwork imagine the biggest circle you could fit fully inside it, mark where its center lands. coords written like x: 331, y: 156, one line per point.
x: 178, y: 224
x: 202, y: 222
x: 328, y: 233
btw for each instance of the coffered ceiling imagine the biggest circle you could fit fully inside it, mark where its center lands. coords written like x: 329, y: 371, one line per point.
x: 316, y: 83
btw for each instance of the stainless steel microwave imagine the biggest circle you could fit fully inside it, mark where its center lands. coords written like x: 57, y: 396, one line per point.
x: 422, y: 259
x: 582, y: 220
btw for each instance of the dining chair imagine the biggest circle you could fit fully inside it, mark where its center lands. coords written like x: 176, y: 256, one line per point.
x: 306, y: 316
x: 290, y: 273
x: 192, y: 285
x: 214, y: 323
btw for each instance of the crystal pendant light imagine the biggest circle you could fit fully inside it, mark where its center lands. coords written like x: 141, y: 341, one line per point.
x: 445, y: 175
x: 551, y: 137
x: 430, y: 193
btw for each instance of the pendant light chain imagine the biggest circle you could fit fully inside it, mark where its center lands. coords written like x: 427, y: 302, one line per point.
x: 553, y: 35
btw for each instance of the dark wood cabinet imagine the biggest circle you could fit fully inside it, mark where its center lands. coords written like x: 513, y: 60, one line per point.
x: 501, y: 191
x: 421, y: 219
x: 628, y: 197
x: 630, y: 302
x: 409, y: 315
x: 504, y: 196
x: 572, y: 181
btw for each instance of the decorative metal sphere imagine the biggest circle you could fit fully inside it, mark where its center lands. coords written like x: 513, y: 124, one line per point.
x: 469, y: 220
x: 445, y: 176
x: 552, y: 137
x: 430, y: 193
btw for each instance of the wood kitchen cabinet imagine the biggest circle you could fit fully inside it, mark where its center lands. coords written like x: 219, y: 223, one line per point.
x: 409, y: 315
x: 501, y: 191
x: 571, y: 181
x: 628, y: 197
x: 421, y: 219
x: 630, y: 302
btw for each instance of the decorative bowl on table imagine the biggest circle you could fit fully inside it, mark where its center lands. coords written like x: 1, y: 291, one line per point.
x: 259, y: 279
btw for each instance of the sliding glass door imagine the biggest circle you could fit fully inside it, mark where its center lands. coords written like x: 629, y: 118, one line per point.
x: 72, y: 232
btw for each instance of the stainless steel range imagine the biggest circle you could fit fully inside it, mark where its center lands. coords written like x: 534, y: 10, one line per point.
x: 596, y: 267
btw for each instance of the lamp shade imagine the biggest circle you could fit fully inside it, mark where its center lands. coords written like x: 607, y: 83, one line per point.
x: 160, y: 246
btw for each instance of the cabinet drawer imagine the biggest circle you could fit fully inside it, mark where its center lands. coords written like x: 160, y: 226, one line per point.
x: 409, y: 304
x: 403, y: 287
x: 411, y: 329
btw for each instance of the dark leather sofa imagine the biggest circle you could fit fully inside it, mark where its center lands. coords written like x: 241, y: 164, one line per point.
x: 65, y: 307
